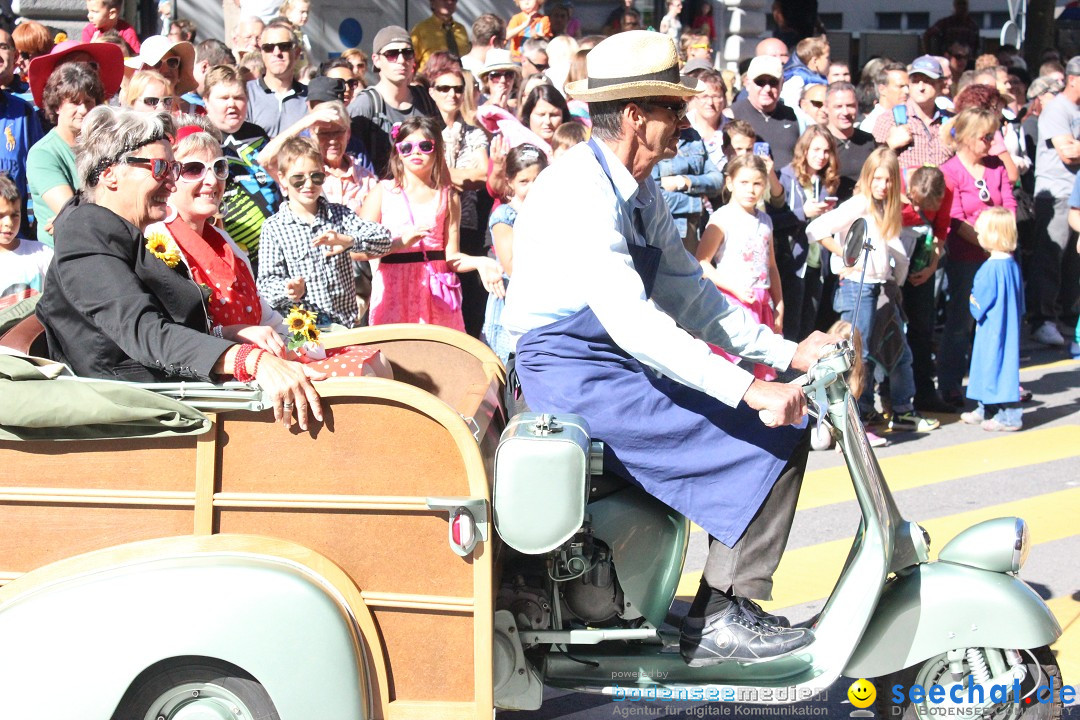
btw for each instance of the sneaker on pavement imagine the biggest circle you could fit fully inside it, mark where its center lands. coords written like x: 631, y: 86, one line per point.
x: 730, y: 634
x: 913, y: 421
x: 1048, y: 334
x: 873, y: 417
x: 993, y: 425
x: 975, y: 417
x: 1025, y: 394
x: 934, y: 404
x: 1074, y: 350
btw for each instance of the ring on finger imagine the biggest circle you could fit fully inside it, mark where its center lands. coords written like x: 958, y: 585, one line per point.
x: 287, y: 405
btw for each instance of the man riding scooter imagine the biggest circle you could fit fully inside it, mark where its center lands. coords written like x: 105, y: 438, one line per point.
x: 611, y: 318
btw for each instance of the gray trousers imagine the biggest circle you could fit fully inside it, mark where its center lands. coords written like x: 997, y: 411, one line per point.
x: 1054, y: 242
x: 746, y: 570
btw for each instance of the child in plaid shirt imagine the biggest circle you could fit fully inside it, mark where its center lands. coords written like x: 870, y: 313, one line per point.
x: 302, y: 252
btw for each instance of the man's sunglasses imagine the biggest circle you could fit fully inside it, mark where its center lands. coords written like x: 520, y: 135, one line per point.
x: 393, y: 55
x: 283, y: 47
x: 195, y: 170
x: 165, y: 102
x: 456, y: 89
x: 351, y: 84
x: 817, y: 103
x: 540, y: 67
x: 172, y: 61
x: 425, y: 146
x: 766, y: 81
x: 677, y: 108
x: 159, y: 169
x: 300, y: 180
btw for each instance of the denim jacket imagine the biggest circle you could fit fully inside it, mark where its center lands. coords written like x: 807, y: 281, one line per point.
x: 693, y: 162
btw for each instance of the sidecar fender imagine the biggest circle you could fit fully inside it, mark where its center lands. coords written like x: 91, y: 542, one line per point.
x: 941, y: 606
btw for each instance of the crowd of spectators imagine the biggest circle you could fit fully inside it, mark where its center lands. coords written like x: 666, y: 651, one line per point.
x: 437, y: 135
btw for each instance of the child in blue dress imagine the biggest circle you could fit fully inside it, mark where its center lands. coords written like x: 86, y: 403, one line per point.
x: 997, y: 304
x: 523, y: 164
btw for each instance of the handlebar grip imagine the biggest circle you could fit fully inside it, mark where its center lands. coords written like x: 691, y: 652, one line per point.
x: 767, y: 417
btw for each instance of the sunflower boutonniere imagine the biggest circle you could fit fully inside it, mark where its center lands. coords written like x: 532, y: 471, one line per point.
x: 162, y: 247
x: 301, y: 328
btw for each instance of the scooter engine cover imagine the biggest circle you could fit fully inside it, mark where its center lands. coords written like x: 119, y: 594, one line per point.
x: 541, y: 481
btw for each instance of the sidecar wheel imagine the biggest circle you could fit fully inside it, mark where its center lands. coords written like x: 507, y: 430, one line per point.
x: 195, y: 687
x: 1042, y: 671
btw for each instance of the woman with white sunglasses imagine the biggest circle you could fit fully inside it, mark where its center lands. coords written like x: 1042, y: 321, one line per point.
x: 979, y: 181
x: 150, y: 91
x: 216, y: 262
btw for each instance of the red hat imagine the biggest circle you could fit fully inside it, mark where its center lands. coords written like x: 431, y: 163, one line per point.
x: 109, y: 57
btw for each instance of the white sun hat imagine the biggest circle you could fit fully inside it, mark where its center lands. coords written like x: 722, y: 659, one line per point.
x: 633, y: 64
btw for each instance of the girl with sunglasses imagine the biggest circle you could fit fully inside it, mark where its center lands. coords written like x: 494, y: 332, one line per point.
x: 420, y: 285
x: 149, y: 91
x: 979, y: 181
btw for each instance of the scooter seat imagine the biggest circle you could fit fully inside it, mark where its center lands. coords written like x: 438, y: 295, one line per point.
x: 600, y: 486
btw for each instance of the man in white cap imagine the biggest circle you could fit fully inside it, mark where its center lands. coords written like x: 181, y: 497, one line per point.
x: 611, y: 317
x: 773, y: 121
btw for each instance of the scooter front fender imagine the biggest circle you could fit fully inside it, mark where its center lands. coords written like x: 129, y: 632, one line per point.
x: 940, y: 606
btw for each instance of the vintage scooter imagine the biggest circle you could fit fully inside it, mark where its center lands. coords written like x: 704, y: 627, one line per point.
x: 591, y: 563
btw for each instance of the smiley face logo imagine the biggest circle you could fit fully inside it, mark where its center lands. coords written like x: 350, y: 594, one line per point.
x: 862, y: 693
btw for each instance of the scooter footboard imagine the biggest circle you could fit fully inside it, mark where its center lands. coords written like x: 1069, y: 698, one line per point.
x: 940, y: 606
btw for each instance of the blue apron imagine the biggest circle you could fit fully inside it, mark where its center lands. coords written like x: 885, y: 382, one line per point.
x: 713, y: 463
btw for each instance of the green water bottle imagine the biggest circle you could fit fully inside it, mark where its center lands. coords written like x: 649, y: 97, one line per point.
x: 923, y: 251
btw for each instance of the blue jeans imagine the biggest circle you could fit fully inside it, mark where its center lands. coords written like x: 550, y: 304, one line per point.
x: 850, y: 295
x: 954, y: 355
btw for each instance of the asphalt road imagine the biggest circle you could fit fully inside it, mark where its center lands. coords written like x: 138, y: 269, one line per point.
x: 946, y: 480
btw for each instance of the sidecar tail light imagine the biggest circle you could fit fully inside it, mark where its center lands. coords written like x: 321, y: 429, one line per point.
x: 462, y: 531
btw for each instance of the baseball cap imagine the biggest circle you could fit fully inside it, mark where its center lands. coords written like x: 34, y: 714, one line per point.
x: 927, y: 65
x: 325, y: 89
x: 390, y: 34
x: 696, y: 65
x: 765, y: 66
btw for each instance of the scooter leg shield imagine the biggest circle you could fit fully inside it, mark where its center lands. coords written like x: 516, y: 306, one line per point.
x: 941, y: 606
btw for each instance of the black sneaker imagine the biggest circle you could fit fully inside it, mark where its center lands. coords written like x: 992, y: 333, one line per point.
x: 729, y: 635
x: 755, y: 612
x: 933, y: 404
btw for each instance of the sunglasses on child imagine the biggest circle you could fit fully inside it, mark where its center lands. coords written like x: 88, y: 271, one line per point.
x: 159, y: 169
x: 299, y: 180
x: 425, y: 146
x: 195, y: 170
x: 153, y: 102
x: 284, y: 47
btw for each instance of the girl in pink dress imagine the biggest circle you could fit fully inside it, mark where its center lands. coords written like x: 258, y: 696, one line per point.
x: 419, y: 284
x: 736, y: 251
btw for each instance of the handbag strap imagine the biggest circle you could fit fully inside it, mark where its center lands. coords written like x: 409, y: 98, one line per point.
x: 412, y: 220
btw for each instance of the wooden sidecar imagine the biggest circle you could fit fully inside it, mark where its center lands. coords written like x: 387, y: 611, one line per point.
x: 318, y: 572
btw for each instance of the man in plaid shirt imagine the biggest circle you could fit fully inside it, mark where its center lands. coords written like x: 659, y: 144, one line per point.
x: 918, y: 141
x: 302, y: 253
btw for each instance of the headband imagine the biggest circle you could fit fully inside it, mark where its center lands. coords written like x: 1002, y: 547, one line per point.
x: 187, y: 131
x: 95, y: 172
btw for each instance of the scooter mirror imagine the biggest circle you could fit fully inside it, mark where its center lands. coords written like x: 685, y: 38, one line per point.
x: 853, y: 242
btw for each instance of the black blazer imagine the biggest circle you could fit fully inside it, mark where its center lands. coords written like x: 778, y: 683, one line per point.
x: 113, y: 310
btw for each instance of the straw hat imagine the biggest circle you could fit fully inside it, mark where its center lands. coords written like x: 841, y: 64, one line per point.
x: 154, y: 48
x: 633, y: 64
x: 498, y: 59
x: 109, y: 57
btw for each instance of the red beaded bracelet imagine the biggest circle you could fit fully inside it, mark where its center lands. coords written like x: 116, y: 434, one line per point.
x: 240, y: 363
x: 255, y: 367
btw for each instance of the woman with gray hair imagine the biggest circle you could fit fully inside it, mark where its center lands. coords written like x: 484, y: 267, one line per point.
x: 122, y: 306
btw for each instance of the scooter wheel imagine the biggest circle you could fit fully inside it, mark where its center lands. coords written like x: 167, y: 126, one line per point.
x: 1042, y: 672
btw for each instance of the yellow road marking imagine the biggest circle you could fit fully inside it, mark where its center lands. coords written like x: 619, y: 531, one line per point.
x: 1067, y: 610
x: 809, y: 573
x: 903, y: 472
x: 1051, y: 366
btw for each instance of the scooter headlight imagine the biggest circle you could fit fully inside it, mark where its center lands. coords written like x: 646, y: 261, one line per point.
x: 999, y: 545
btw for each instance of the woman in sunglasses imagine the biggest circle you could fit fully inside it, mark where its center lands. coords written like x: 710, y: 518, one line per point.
x: 121, y: 305
x: 467, y: 157
x: 149, y: 91
x: 979, y: 181
x: 420, y: 285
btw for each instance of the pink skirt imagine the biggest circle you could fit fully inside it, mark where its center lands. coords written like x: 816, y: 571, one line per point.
x: 762, y: 310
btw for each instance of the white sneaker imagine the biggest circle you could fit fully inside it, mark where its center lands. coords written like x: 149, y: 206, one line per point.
x: 1048, y: 334
x: 1074, y: 350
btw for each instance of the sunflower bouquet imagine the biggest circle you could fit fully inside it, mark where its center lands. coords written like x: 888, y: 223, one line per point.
x: 302, y: 333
